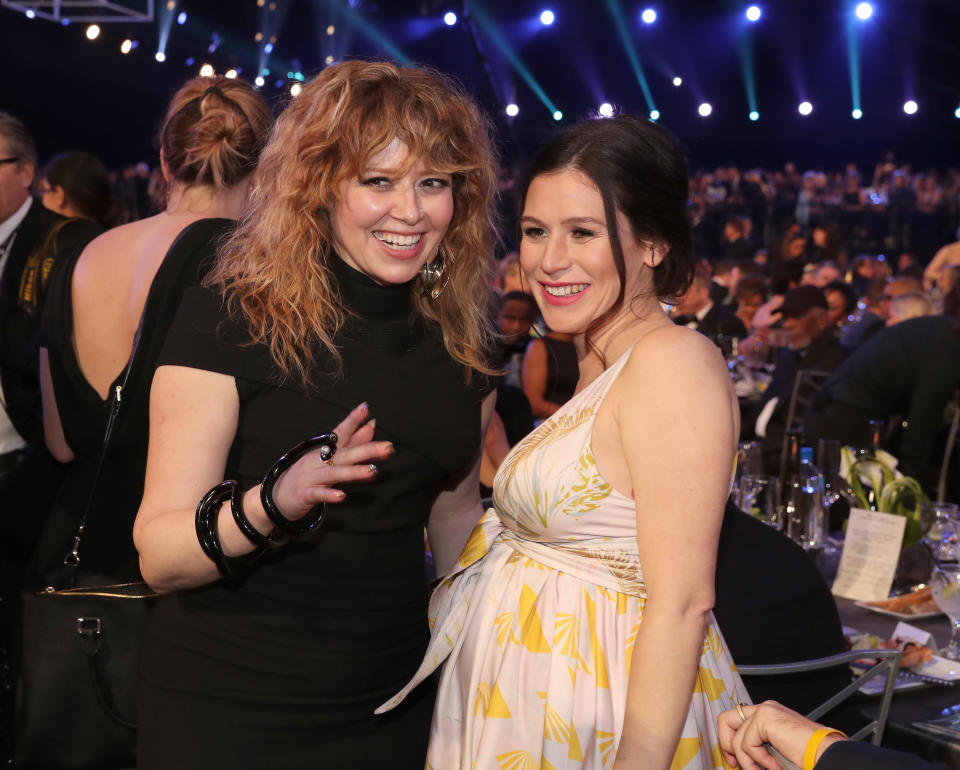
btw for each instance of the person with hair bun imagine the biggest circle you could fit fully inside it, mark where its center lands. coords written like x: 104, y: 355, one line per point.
x: 76, y: 184
x: 577, y: 629
x: 126, y: 279
x: 296, y: 588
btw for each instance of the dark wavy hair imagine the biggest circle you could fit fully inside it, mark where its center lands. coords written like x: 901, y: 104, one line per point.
x: 640, y: 172
x: 85, y: 182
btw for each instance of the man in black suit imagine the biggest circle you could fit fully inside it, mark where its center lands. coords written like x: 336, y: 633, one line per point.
x: 696, y: 310
x: 737, y: 234
x: 812, y: 346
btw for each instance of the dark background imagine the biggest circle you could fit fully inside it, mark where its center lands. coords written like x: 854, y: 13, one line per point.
x: 73, y: 93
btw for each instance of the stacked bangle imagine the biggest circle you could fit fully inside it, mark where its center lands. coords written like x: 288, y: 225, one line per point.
x: 208, y: 514
x: 327, y: 444
x: 208, y: 511
x: 813, y: 745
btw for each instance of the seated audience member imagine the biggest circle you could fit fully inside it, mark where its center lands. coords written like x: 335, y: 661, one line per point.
x: 550, y: 373
x: 736, y: 233
x: 508, y: 274
x: 944, y: 258
x: 906, y: 306
x: 910, y: 369
x: 696, y: 310
x: 726, y: 276
x: 785, y: 277
x: 745, y: 731
x: 841, y: 303
x: 77, y: 184
x: 868, y: 326
x: 811, y: 346
x: 827, y: 245
x: 750, y: 294
x: 869, y: 318
x: 864, y: 270
x: 819, y: 274
x: 515, y: 318
x: 794, y: 248
x: 761, y: 573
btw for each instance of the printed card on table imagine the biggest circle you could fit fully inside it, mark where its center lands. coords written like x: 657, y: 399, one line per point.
x: 871, y: 550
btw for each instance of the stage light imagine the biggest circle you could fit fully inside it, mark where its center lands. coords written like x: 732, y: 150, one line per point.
x: 704, y: 109
x: 753, y: 13
x: 126, y: 46
x: 754, y: 115
x: 910, y: 107
x: 558, y: 115
x: 648, y: 16
x: 295, y: 89
x: 160, y: 56
x: 956, y: 113
x: 864, y: 11
x: 678, y: 81
x: 606, y: 110
x: 449, y: 18
x: 805, y: 108
x: 206, y: 71
x: 268, y: 48
x: 547, y: 18
x: 330, y: 30
x: 64, y: 22
x: 171, y: 4
x: 93, y: 32
x: 512, y: 110
x: 190, y: 61
x: 31, y: 14
x: 182, y: 18
x: 856, y: 114
x: 259, y: 81
x: 230, y: 73
x: 328, y: 61
x: 654, y: 115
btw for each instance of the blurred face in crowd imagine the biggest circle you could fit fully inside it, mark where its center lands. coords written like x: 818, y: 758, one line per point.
x: 795, y: 248
x: 514, y: 320
x: 803, y: 328
x: 694, y: 299
x: 747, y: 307
x: 836, y: 307
x: 895, y: 288
x: 389, y: 222
x: 15, y: 180
x: 819, y: 237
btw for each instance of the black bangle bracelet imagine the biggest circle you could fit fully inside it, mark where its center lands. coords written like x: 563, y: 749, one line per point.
x: 327, y: 444
x: 254, y: 535
x: 208, y: 512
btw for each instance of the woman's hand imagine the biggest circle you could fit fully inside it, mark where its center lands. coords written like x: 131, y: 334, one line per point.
x: 311, y: 480
x: 741, y: 740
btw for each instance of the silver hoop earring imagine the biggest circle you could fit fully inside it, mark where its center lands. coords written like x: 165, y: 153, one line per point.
x: 431, y: 275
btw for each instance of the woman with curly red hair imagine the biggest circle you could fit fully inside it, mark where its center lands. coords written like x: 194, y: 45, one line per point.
x: 359, y: 274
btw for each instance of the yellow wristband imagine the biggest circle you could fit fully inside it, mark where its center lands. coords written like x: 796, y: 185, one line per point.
x: 810, y: 755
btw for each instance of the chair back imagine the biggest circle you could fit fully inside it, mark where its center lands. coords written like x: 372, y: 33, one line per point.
x: 807, y: 383
x: 887, y: 662
x: 954, y: 407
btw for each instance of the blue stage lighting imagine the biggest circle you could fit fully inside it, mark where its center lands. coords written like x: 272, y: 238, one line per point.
x: 805, y: 108
x: 678, y: 81
x: 182, y: 18
x: 704, y: 109
x: 754, y: 115
x: 654, y: 115
x: 558, y: 115
x: 864, y: 11
x: 910, y: 107
x: 856, y: 114
x: 512, y: 110
x: 606, y: 110
x: 268, y: 48
x: 259, y: 81
x: 31, y: 14
x: 753, y: 13
x: 956, y: 113
x: 547, y: 18
x: 649, y: 16
x: 190, y: 61
x: 160, y: 56
x: 449, y: 18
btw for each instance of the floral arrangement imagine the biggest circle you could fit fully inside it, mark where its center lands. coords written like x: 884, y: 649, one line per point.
x: 875, y: 484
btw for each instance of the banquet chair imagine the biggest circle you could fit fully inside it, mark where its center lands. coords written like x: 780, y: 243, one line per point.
x: 887, y: 662
x: 808, y: 383
x: 945, y: 465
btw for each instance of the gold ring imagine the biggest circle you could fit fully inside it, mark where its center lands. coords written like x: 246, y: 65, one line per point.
x: 740, y: 711
x: 328, y: 461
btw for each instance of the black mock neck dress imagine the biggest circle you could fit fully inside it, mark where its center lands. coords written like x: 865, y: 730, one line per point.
x: 283, y: 668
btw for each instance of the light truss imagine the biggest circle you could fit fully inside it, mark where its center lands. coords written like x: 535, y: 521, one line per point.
x: 85, y: 11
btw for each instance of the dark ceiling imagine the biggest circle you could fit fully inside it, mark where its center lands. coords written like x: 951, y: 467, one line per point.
x: 79, y: 94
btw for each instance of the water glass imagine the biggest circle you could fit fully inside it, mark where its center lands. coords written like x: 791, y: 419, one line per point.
x: 944, y: 531
x: 760, y: 497
x: 749, y: 459
x: 945, y: 587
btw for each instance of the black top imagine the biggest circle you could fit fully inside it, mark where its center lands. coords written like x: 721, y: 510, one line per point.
x: 563, y: 370
x: 322, y: 631
x: 107, y: 546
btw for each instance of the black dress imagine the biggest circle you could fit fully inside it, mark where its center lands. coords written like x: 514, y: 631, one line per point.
x: 284, y: 668
x: 107, y: 546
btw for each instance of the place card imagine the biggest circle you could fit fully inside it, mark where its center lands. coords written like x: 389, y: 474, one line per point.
x: 871, y: 550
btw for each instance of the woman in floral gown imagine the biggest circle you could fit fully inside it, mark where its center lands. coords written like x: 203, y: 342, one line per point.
x: 577, y: 627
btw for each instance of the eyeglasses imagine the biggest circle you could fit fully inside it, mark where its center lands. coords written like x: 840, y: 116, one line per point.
x: 4, y: 161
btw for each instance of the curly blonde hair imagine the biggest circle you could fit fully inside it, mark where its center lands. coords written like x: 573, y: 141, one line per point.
x: 275, y: 269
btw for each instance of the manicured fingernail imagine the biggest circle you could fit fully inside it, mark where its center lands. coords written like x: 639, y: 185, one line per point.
x: 364, y: 407
x: 339, y: 494
x: 373, y: 423
x: 387, y: 446
x: 374, y: 470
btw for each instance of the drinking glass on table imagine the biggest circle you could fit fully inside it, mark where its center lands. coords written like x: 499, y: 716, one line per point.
x: 760, y: 497
x: 945, y: 587
x: 944, y: 531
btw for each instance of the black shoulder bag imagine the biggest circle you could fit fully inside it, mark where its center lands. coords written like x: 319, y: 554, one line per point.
x: 77, y: 691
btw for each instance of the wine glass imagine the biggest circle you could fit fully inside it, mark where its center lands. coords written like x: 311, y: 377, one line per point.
x: 945, y: 587
x: 760, y: 497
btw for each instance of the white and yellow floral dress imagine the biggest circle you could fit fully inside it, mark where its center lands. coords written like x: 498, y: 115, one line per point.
x: 538, y: 620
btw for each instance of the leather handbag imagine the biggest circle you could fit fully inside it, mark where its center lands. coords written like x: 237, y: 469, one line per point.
x: 81, y: 638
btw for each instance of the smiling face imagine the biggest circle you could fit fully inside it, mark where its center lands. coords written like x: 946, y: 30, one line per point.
x: 566, y: 253
x: 15, y: 180
x: 390, y: 220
